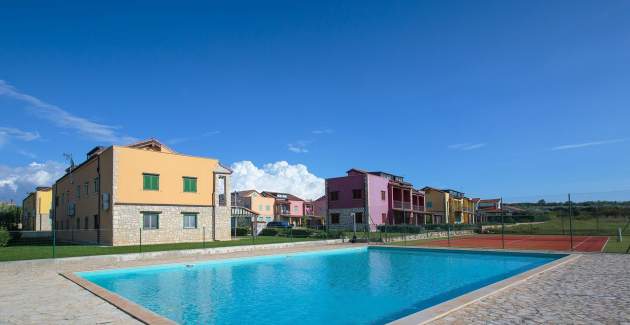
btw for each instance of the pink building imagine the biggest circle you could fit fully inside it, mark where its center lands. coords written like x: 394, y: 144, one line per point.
x: 373, y: 198
x: 287, y: 207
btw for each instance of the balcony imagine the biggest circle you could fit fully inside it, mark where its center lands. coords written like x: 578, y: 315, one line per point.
x: 400, y: 205
x: 418, y: 208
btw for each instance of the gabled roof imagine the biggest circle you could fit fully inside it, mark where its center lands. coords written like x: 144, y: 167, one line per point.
x: 245, y: 192
x: 275, y: 196
x: 151, y: 144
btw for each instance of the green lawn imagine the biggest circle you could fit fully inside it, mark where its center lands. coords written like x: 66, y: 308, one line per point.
x: 592, y: 226
x: 29, y: 252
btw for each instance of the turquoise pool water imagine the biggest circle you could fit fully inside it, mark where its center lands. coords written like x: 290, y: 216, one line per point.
x: 345, y: 286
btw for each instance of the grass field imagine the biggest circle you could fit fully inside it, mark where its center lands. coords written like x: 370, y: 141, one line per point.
x: 29, y: 252
x: 560, y: 226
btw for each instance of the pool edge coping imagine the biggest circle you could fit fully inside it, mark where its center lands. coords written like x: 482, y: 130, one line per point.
x: 130, y: 308
x: 447, y: 307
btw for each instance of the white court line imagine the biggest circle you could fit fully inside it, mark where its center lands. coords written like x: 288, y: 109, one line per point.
x: 583, y: 241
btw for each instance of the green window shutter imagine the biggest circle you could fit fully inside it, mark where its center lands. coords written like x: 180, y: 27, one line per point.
x: 151, y: 182
x: 190, y: 184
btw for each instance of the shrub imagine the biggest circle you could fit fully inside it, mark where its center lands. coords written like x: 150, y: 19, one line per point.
x: 241, y: 231
x: 300, y: 232
x: 269, y: 232
x: 4, y: 237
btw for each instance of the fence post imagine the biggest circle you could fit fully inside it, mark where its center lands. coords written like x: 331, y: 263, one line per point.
x: 570, y: 220
x: 448, y: 233
x: 291, y: 233
x: 54, y: 241
x: 140, y: 230
x: 203, y: 237
x: 502, y: 225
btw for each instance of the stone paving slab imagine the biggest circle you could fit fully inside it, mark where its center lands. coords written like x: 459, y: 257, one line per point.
x: 594, y: 289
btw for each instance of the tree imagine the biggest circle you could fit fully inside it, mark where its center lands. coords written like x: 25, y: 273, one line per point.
x: 541, y: 202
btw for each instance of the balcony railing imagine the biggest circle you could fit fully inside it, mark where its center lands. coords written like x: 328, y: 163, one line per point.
x: 419, y: 208
x: 402, y: 205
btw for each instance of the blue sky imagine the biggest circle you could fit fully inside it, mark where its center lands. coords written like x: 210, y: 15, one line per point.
x: 511, y: 98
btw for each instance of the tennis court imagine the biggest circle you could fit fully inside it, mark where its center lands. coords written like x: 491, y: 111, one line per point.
x: 533, y: 242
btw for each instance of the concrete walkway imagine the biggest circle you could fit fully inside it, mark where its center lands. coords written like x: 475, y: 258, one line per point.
x: 594, y: 289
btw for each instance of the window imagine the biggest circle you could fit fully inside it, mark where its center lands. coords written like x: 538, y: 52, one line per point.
x: 97, y: 185
x: 384, y: 217
x: 357, y: 194
x: 221, y: 188
x: 334, y: 196
x: 358, y: 217
x: 56, y: 200
x: 78, y: 191
x: 383, y: 195
x: 150, y: 182
x: 295, y: 208
x: 86, y: 188
x: 334, y: 218
x: 150, y: 220
x: 429, y: 205
x: 190, y: 184
x: 78, y: 223
x: 190, y: 220
x: 267, y: 208
x: 260, y: 207
x: 85, y: 224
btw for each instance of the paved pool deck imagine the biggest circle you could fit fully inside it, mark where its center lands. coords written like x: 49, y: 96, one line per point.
x: 592, y: 289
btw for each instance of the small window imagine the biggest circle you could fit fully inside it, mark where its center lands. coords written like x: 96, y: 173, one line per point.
x: 78, y: 191
x: 260, y: 207
x: 358, y: 217
x: 150, y: 221
x: 78, y: 223
x: 295, y: 208
x: 357, y: 194
x: 86, y: 188
x: 267, y: 207
x: 334, y: 218
x: 97, y: 185
x: 85, y: 224
x: 150, y: 182
x: 190, y: 220
x: 429, y: 205
x: 190, y: 184
x: 334, y: 196
x: 383, y: 195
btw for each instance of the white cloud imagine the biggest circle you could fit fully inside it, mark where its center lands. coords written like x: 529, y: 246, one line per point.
x: 277, y: 177
x: 8, y: 133
x: 298, y: 147
x: 64, y: 119
x: 15, y: 182
x: 466, y: 146
x: 323, y: 131
x: 587, y: 144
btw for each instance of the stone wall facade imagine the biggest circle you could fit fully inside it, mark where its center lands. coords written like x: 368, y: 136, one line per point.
x: 128, y: 224
x: 345, y: 219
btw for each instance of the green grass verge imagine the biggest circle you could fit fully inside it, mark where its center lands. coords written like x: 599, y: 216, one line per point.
x: 29, y: 252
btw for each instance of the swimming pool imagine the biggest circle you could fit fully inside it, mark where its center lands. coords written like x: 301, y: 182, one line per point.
x: 343, y: 286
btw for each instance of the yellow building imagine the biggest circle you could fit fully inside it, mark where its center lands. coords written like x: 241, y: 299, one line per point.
x: 121, y: 195
x: 450, y: 206
x: 36, y: 210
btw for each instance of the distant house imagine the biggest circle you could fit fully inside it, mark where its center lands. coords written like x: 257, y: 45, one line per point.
x: 449, y: 206
x: 255, y: 201
x: 36, y: 210
x: 494, y: 209
x: 372, y: 198
x: 321, y: 208
x: 287, y: 207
